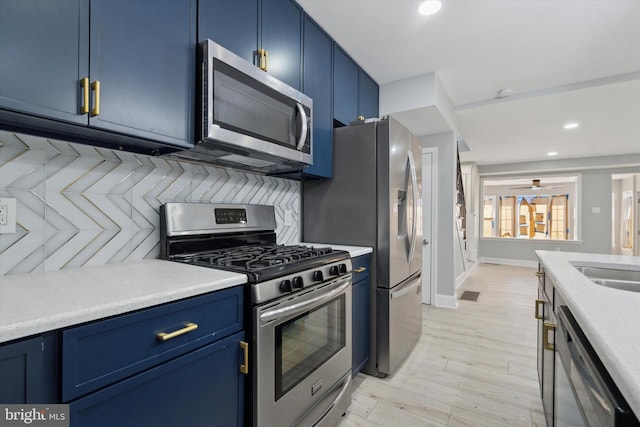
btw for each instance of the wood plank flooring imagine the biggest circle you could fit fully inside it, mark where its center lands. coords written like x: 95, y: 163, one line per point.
x: 473, y: 366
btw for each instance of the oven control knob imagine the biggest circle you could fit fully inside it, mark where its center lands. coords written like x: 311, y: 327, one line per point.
x: 318, y: 276
x: 286, y: 286
x: 297, y: 282
x: 333, y: 270
x: 342, y: 268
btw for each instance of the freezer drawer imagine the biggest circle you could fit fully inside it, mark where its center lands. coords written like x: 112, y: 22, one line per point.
x: 399, y: 320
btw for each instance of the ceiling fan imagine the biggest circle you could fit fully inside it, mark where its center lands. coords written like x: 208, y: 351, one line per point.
x: 535, y: 185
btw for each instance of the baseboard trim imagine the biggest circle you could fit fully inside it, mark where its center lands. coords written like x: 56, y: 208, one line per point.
x: 446, y: 301
x: 509, y: 261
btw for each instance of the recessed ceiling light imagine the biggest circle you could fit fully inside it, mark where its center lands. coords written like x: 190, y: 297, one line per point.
x: 429, y: 7
x: 571, y: 125
x: 552, y: 153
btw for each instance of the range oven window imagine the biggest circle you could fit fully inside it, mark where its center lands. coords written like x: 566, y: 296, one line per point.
x: 306, y: 342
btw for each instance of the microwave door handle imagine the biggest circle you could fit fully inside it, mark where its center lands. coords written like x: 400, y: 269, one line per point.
x: 303, y: 134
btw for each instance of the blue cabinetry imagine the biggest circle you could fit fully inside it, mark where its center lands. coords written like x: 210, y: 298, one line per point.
x: 318, y: 69
x: 176, y: 364
x: 355, y: 93
x: 119, y: 66
x: 28, y: 370
x: 361, y: 312
x: 367, y: 95
x: 247, y: 26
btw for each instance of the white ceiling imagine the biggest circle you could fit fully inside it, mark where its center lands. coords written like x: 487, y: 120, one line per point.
x: 565, y: 60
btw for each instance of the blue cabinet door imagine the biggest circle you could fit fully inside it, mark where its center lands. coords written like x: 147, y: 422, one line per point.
x: 318, y: 69
x: 230, y: 23
x: 28, y: 370
x: 44, y: 52
x: 361, y: 312
x: 367, y: 96
x: 201, y: 388
x: 143, y: 55
x: 281, y: 36
x: 345, y: 87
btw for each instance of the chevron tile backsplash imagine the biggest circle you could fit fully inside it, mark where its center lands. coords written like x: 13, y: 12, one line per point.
x: 79, y: 205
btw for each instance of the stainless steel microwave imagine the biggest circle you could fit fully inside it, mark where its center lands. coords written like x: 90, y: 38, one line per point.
x: 248, y: 118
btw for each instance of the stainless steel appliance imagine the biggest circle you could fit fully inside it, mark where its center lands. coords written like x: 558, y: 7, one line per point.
x: 248, y: 118
x: 585, y: 393
x: 374, y: 199
x: 299, y: 307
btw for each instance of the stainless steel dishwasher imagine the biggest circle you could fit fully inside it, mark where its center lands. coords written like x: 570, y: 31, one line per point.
x: 585, y: 392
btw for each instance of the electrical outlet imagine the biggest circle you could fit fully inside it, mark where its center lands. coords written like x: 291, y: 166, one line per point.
x: 287, y: 218
x: 7, y: 215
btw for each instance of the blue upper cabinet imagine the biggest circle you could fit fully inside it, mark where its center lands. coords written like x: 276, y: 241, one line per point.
x: 143, y: 56
x: 127, y: 67
x: 230, y: 23
x: 367, y: 96
x: 246, y: 27
x: 345, y: 87
x: 281, y: 37
x: 318, y: 69
x: 355, y: 93
x: 44, y: 51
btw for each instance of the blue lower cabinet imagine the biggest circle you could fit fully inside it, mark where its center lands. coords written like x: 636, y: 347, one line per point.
x: 202, y: 388
x: 361, y: 312
x: 29, y: 370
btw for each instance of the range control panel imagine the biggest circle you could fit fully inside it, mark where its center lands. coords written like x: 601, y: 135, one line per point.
x: 230, y: 216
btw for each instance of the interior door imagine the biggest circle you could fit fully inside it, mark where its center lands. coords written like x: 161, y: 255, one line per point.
x: 426, y: 211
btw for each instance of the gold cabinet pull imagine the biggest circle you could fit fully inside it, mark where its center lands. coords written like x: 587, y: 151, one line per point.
x: 539, y: 274
x: 84, y: 82
x: 164, y: 336
x: 95, y: 86
x: 244, y: 368
x: 545, y: 336
x: 264, y: 59
x: 359, y: 269
x: 539, y: 302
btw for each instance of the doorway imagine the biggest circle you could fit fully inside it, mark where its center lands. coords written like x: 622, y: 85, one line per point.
x: 429, y: 200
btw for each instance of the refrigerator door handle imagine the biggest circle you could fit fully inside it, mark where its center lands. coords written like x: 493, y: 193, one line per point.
x: 408, y: 287
x: 414, y: 207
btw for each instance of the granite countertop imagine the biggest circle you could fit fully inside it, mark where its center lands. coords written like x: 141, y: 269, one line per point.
x: 608, y: 317
x: 354, y: 251
x: 39, y: 302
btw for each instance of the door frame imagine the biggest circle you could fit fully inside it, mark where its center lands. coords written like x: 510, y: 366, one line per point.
x: 430, y: 179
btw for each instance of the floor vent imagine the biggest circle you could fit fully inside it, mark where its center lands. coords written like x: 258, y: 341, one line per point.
x: 470, y: 296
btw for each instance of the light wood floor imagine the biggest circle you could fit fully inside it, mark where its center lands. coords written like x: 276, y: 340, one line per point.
x: 473, y: 366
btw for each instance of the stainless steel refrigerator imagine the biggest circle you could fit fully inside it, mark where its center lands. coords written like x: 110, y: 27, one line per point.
x: 374, y: 199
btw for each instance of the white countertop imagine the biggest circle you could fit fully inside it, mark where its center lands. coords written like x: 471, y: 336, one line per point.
x: 40, y: 302
x: 608, y: 317
x: 354, y: 251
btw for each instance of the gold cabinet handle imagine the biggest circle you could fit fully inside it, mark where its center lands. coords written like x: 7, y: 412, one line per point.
x: 539, y: 302
x: 164, y: 336
x: 359, y: 269
x: 95, y: 86
x: 545, y: 336
x: 244, y: 368
x: 264, y: 59
x: 539, y: 274
x: 84, y: 82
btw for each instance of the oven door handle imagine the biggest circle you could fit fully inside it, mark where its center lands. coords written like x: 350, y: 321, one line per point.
x: 309, y: 304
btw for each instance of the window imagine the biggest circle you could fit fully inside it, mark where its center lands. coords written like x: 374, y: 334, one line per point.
x: 530, y: 208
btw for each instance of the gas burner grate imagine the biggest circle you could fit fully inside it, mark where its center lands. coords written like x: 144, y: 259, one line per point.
x: 255, y: 258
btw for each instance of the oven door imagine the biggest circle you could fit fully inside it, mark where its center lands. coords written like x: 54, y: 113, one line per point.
x: 303, y: 353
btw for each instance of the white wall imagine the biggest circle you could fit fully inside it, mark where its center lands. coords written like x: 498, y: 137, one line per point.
x: 446, y: 240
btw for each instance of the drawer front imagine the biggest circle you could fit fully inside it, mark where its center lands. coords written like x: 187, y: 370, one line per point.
x: 100, y: 353
x: 361, y: 267
x: 202, y: 388
x: 546, y: 284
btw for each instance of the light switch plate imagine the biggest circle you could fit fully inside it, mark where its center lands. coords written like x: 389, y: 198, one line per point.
x: 7, y: 215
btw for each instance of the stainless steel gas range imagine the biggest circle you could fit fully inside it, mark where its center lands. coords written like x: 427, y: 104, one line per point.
x: 299, y: 307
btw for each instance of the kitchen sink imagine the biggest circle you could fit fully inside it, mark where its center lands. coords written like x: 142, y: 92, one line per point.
x: 618, y: 278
